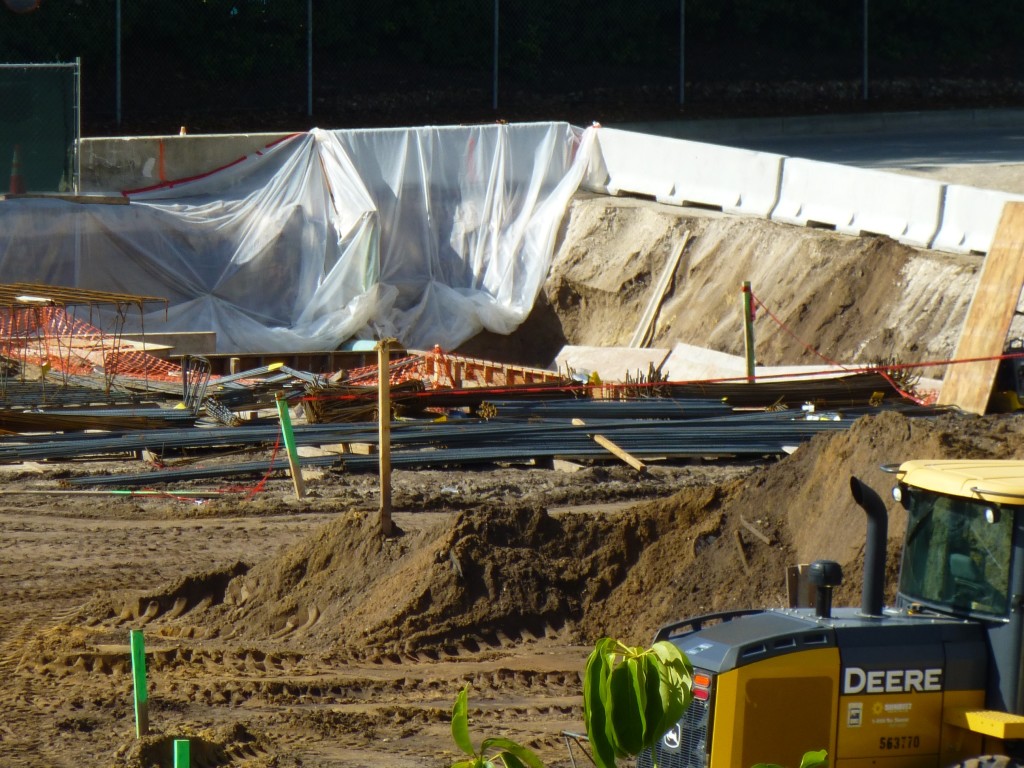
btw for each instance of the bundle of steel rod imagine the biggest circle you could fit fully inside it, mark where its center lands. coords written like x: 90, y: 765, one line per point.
x: 422, y: 444
x: 240, y: 469
x: 645, y: 408
x: 326, y: 403
x: 77, y: 419
x: 26, y: 394
x: 841, y: 391
x: 471, y: 398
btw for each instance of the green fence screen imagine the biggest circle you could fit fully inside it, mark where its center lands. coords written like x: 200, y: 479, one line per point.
x: 39, y: 127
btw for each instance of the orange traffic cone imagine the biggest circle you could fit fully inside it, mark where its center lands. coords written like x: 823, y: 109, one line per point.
x: 17, y: 182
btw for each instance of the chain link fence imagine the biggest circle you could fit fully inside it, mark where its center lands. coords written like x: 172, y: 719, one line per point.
x: 39, y: 127
x: 152, y: 65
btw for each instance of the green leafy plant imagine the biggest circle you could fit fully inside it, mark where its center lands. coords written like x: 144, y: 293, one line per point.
x: 503, y: 752
x: 817, y: 759
x: 632, y: 696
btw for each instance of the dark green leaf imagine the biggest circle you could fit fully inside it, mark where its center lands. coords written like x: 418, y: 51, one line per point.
x: 595, y: 704
x: 609, y: 706
x: 658, y: 699
x: 627, y: 711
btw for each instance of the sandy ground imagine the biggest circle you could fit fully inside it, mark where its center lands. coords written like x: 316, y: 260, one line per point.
x: 287, y: 633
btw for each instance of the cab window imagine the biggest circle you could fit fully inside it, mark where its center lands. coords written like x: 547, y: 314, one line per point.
x: 957, y: 554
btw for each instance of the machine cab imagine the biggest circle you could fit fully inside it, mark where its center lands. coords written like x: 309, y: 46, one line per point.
x: 962, y: 555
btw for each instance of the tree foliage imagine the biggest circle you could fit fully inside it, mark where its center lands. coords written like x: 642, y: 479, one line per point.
x: 632, y: 696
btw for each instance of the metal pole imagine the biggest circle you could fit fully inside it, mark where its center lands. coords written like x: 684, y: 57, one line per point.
x: 309, y: 58
x: 494, y: 81
x: 682, y: 51
x: 384, y: 432
x: 117, y: 64
x: 866, y: 49
x: 77, y: 170
x: 748, y: 331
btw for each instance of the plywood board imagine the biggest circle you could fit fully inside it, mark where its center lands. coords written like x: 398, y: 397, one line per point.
x: 969, y: 384
x: 687, y: 362
x: 612, y: 364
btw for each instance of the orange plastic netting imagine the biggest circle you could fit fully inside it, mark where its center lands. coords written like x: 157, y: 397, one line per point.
x: 48, y: 337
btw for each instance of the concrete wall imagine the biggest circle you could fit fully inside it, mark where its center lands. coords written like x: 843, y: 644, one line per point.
x: 112, y: 165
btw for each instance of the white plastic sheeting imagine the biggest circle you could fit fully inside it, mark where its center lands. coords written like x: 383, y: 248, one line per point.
x: 428, y: 235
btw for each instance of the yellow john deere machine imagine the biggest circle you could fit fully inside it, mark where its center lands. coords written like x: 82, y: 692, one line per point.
x: 935, y: 680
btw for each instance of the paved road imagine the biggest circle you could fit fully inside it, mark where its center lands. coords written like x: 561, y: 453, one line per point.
x: 901, y: 149
x: 912, y: 140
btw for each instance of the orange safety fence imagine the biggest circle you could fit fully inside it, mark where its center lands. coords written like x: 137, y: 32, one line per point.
x: 442, y: 370
x: 48, y: 337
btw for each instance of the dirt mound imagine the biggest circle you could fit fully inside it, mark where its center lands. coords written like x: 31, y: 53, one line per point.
x: 796, y: 510
x: 485, y: 576
x: 219, y: 746
x: 502, y: 573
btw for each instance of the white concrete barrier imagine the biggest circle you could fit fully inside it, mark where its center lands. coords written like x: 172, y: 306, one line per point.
x: 970, y: 217
x: 856, y: 201
x: 681, y: 172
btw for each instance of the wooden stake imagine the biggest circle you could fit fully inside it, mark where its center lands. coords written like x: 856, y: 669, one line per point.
x: 748, y: 331
x: 384, y: 431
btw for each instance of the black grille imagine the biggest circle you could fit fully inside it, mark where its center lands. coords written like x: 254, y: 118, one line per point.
x: 693, y: 734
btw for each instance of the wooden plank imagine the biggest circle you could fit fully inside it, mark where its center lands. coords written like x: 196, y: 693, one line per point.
x: 969, y: 385
x: 613, y: 449
x: 742, y: 552
x: 752, y: 529
x: 384, y: 433
x: 363, y: 449
x: 643, y: 330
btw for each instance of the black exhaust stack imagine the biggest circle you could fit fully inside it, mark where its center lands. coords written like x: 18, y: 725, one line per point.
x: 874, y: 548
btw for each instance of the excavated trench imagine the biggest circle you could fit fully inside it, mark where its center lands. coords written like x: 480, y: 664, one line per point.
x: 825, y: 297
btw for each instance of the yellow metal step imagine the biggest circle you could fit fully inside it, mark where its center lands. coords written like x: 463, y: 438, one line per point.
x: 990, y: 722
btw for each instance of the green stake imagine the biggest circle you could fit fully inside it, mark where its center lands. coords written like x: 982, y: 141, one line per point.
x: 181, y: 753
x: 139, y: 683
x: 289, y: 444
